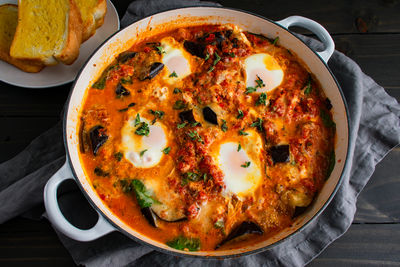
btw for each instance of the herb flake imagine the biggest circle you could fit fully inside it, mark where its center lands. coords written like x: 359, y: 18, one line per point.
x: 246, y: 164
x: 224, y: 127
x: 184, y: 243
x: 143, y: 196
x: 166, y: 150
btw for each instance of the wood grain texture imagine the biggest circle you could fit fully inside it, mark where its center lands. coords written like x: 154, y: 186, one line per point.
x: 336, y: 16
x: 18, y: 132
x: 379, y: 201
x: 364, y: 245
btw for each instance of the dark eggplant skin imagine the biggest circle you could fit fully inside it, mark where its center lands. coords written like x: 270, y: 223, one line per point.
x: 219, y: 37
x: 155, y: 69
x: 150, y: 216
x: 210, y: 116
x: 196, y: 49
x: 98, y: 137
x: 125, y: 56
x: 121, y: 91
x: 280, y: 153
x: 187, y: 115
x: 243, y: 229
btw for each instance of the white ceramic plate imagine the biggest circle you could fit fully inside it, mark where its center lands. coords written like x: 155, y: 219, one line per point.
x: 60, y: 74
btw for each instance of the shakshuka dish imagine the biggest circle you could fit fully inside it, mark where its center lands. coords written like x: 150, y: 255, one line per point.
x: 207, y: 137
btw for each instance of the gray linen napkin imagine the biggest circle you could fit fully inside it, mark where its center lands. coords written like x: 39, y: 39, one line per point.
x: 375, y: 130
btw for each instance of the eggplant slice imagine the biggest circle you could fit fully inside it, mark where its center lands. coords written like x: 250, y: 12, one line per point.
x: 121, y: 91
x: 98, y: 137
x: 196, y: 49
x: 168, y: 213
x: 243, y: 229
x: 155, y: 69
x: 210, y: 115
x: 279, y: 153
x: 125, y: 56
x: 187, y: 115
x: 150, y: 216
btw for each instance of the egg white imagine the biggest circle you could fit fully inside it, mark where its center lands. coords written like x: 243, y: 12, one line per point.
x: 132, y: 144
x: 265, y: 67
x: 240, y: 180
x: 175, y: 59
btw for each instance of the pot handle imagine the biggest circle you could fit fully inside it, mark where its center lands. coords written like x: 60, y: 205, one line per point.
x: 56, y: 217
x: 315, y: 28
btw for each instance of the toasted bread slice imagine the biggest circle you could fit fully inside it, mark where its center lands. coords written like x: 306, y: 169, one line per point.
x: 92, y: 12
x: 48, y: 31
x: 8, y: 24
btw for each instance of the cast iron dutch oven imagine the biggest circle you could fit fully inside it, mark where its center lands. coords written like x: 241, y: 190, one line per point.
x: 124, y: 39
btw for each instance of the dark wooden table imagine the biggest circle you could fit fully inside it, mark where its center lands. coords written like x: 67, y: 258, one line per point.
x: 367, y: 31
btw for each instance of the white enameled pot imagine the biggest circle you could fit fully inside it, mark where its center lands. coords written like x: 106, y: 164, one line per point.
x: 124, y: 39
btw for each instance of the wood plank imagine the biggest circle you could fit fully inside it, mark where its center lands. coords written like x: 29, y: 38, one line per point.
x: 377, y: 55
x: 379, y: 201
x: 18, y: 132
x: 34, y: 243
x: 338, y: 16
x: 364, y: 245
x: 17, y: 101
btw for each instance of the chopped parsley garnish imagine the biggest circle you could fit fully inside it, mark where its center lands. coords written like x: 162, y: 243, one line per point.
x: 217, y: 59
x: 219, y: 224
x: 166, y: 150
x: 179, y: 104
x: 137, y: 119
x: 100, y: 83
x: 246, y: 164
x: 194, y: 124
x: 126, y: 80
x: 231, y: 54
x: 326, y: 119
x: 239, y: 147
x: 177, y: 91
x: 275, y: 41
x: 224, y: 127
x: 159, y: 114
x: 259, y: 84
x: 308, y: 89
x: 250, y: 90
x: 142, y: 152
x: 143, y: 196
x: 240, y: 114
x: 160, y: 50
x: 262, y: 99
x: 143, y: 129
x: 181, y: 125
x: 118, y: 156
x: 241, y: 132
x: 258, y: 124
x: 173, y: 74
x: 331, y: 166
x: 194, y: 135
x: 184, y: 243
x: 126, y: 185
x: 207, y: 57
